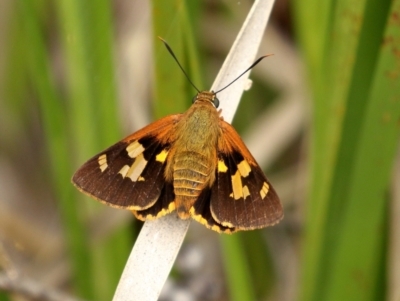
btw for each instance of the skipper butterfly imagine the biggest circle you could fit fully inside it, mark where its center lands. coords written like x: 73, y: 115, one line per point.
x: 193, y: 163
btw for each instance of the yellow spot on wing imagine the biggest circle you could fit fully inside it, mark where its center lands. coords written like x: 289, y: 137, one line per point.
x: 221, y: 166
x: 227, y: 224
x: 203, y: 221
x: 134, y: 149
x: 239, y: 191
x: 135, y: 170
x: 103, y: 162
x: 244, y: 168
x: 264, y: 190
x: 246, y: 191
x: 237, y: 186
x: 162, y: 156
x: 171, y: 207
x: 198, y: 217
x: 124, y: 170
x: 215, y: 227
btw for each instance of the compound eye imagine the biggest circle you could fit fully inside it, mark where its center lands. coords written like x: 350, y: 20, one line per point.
x: 194, y: 98
x: 216, y: 102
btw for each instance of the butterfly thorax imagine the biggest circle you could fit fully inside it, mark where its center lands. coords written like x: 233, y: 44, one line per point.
x: 193, y: 158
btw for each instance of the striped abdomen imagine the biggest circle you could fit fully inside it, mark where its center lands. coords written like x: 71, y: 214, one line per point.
x: 191, y: 174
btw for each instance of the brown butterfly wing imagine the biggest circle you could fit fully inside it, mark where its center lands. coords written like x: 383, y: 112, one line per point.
x: 130, y: 174
x: 241, y: 197
x: 164, y: 205
x: 201, y: 212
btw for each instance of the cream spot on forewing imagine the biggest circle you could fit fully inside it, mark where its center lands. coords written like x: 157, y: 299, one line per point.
x: 103, y: 162
x: 221, y: 166
x: 162, y: 156
x: 264, y: 190
x: 135, y: 170
x: 239, y: 191
x: 246, y: 191
x: 124, y: 170
x: 134, y: 149
x: 237, y: 186
x: 244, y: 168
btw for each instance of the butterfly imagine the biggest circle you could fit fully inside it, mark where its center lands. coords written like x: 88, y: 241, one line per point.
x: 193, y: 163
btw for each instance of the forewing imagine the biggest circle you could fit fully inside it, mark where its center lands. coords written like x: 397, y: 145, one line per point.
x: 241, y: 196
x: 130, y: 174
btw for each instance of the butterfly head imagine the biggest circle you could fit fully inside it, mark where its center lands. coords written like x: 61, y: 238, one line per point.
x: 207, y: 96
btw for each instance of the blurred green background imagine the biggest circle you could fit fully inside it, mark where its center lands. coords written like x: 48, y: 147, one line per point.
x: 322, y: 118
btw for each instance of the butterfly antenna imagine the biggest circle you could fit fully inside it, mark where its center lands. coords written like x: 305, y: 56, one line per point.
x: 176, y: 60
x: 248, y: 69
